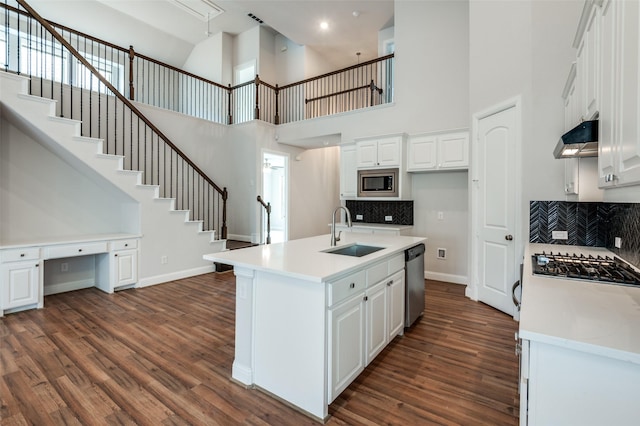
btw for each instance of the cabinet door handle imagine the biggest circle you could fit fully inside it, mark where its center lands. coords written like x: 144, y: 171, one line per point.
x: 37, y: 264
x: 116, y: 255
x: 389, y: 283
x: 352, y: 285
x: 365, y: 298
x: 79, y: 250
x: 126, y: 245
x: 21, y: 254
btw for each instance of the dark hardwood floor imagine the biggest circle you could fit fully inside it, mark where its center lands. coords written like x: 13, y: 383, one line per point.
x: 162, y: 355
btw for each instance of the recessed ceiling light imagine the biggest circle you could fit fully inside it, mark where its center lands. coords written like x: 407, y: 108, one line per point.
x: 324, y: 25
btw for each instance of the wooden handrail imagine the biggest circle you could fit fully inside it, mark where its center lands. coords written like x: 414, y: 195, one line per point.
x: 372, y: 61
x: 115, y: 91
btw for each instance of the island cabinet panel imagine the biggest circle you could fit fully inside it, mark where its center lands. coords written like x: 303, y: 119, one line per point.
x: 376, y: 325
x: 395, y: 299
x: 289, y: 340
x: 347, y: 325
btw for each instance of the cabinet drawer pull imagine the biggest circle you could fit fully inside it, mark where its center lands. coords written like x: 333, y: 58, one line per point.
x: 79, y: 250
x: 21, y: 254
x: 352, y: 285
x: 126, y: 245
x: 37, y: 264
x: 365, y: 298
x: 389, y: 283
x: 116, y: 255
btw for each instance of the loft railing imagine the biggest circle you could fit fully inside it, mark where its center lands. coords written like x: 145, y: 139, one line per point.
x: 149, y: 81
x: 87, y: 87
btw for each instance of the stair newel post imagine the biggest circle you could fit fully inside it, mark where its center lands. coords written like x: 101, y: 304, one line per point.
x: 132, y: 55
x: 230, y: 101
x: 276, y: 119
x: 256, y: 114
x: 225, y: 195
x: 373, y: 88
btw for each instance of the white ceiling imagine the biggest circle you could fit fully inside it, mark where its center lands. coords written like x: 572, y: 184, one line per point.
x: 297, y: 20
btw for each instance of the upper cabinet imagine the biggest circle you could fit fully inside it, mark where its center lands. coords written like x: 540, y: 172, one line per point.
x: 348, y: 172
x: 619, y: 140
x: 379, y: 152
x: 438, y: 151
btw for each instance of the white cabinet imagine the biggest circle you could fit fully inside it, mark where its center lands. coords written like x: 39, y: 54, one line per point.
x: 348, y: 172
x: 619, y: 145
x: 379, y: 152
x: 125, y: 268
x: 347, y: 340
x: 395, y: 302
x: 20, y: 279
x: 376, y: 324
x: 373, y: 229
x: 564, y: 386
x: 364, y: 315
x: 438, y: 151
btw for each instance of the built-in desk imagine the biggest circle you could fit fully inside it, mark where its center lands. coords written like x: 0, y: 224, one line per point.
x: 22, y: 267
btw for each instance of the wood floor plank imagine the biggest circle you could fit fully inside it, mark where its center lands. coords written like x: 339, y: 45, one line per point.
x: 162, y: 355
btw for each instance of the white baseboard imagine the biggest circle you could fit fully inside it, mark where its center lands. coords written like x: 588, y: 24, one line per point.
x: 159, y: 279
x: 449, y: 278
x: 239, y: 237
x: 70, y: 286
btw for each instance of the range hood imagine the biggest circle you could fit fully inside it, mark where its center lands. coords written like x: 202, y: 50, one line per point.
x: 581, y: 141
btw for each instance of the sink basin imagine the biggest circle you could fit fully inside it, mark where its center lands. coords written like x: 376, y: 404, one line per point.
x: 356, y: 250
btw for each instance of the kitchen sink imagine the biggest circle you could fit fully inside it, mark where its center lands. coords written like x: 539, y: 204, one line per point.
x: 356, y: 250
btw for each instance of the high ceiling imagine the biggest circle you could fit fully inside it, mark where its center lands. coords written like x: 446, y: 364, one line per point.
x: 352, y: 25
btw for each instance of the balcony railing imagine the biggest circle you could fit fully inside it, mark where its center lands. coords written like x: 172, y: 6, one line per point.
x: 146, y: 80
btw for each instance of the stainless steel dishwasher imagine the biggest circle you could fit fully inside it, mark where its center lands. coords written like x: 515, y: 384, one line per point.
x: 414, y: 284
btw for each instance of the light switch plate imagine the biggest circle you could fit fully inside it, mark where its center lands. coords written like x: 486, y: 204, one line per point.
x: 618, y: 242
x: 359, y: 217
x: 559, y: 235
x: 388, y: 218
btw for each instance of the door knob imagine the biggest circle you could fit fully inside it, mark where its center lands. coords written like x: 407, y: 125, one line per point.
x: 508, y: 237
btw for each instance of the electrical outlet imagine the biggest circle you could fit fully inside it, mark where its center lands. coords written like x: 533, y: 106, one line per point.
x: 64, y: 267
x: 164, y: 260
x: 618, y: 242
x: 440, y: 215
x: 442, y: 253
x: 359, y: 217
x: 388, y: 218
x: 559, y: 235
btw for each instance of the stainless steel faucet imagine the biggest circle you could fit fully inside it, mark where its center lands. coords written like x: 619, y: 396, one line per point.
x: 334, y: 238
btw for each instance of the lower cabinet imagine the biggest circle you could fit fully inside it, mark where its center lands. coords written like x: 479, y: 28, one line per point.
x: 362, y: 326
x: 21, y: 284
x: 125, y: 268
x: 347, y: 343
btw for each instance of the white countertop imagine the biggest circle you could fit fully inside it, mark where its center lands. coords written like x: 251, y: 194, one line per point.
x: 305, y: 259
x: 599, y: 318
x: 68, y: 239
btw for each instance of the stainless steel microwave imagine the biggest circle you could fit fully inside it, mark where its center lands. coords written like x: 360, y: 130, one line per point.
x: 378, y: 183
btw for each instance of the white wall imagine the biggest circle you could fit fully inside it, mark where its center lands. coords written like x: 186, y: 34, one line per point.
x: 39, y: 193
x: 207, y: 59
x: 289, y: 57
x: 232, y: 157
x: 103, y: 22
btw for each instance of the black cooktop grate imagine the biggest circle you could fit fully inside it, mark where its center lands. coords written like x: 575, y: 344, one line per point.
x: 612, y: 270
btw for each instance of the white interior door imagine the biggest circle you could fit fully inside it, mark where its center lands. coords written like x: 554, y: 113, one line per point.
x: 275, y: 189
x: 495, y: 206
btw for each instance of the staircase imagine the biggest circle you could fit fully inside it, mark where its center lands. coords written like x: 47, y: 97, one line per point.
x: 172, y: 245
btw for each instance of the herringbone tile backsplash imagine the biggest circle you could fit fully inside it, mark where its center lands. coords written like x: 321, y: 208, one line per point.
x: 375, y: 211
x: 588, y: 224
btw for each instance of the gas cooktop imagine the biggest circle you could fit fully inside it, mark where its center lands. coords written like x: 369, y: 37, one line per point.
x: 610, y: 270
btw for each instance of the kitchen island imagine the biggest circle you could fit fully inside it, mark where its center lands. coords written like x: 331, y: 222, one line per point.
x: 580, y: 358
x: 308, y: 321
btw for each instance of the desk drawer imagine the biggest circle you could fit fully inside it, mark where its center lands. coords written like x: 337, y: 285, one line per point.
x: 124, y: 244
x: 72, y: 250
x: 16, y: 255
x: 346, y: 287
